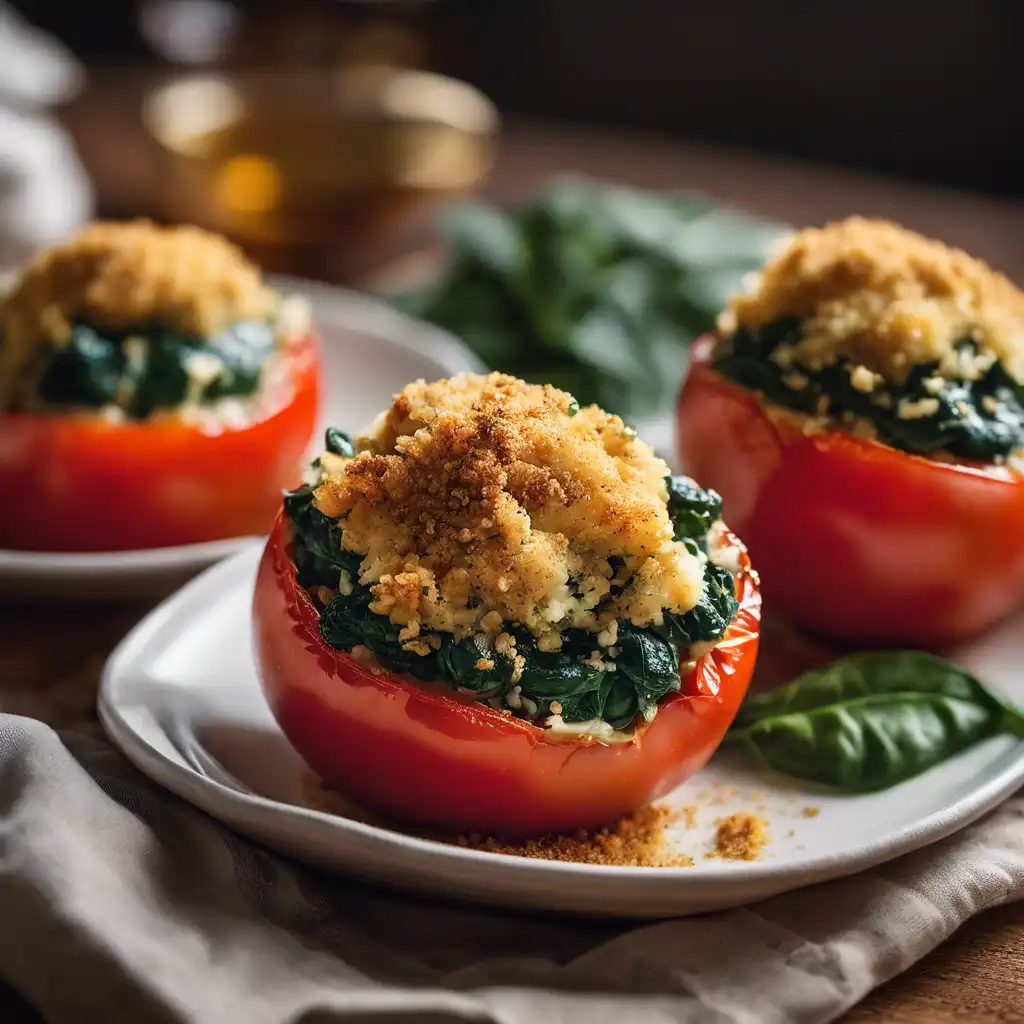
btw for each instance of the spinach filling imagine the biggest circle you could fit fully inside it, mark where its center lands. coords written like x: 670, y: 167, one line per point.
x: 103, y: 368
x: 646, y: 665
x: 982, y: 419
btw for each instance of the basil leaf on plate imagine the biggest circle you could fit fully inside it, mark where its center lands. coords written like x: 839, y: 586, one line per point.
x: 870, y: 721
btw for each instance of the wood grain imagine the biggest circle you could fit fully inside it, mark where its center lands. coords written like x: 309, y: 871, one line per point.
x: 51, y: 655
x: 977, y: 976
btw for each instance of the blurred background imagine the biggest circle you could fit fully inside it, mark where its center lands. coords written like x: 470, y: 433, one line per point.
x: 346, y: 141
x: 301, y: 129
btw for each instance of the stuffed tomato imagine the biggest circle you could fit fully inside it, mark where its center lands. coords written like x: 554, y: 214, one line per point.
x: 499, y: 611
x: 153, y: 392
x: 861, y: 414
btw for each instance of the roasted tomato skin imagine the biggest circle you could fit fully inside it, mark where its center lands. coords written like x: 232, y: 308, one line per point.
x: 423, y: 755
x: 854, y: 540
x: 78, y: 483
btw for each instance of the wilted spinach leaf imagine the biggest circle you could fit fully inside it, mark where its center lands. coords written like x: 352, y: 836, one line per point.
x: 692, y: 509
x: 711, y: 617
x: 650, y: 662
x: 339, y: 443
x: 319, y: 556
x: 978, y: 419
x: 459, y: 663
x: 95, y: 368
x: 596, y: 289
x: 85, y: 371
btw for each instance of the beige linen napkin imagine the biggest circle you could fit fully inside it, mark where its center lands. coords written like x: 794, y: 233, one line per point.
x: 119, y: 902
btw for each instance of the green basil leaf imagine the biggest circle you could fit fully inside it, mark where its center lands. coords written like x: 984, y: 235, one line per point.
x: 602, y: 339
x: 867, y: 674
x: 872, y: 720
x: 869, y: 743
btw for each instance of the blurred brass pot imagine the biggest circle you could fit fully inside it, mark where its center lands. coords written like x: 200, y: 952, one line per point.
x: 292, y: 159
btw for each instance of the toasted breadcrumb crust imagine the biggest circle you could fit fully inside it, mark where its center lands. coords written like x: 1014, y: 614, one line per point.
x: 887, y: 299
x: 477, y: 500
x: 639, y: 839
x: 740, y: 836
x: 123, y: 275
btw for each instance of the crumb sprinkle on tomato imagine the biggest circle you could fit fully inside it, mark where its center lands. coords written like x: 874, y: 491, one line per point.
x: 121, y: 275
x: 483, y: 499
x: 887, y: 299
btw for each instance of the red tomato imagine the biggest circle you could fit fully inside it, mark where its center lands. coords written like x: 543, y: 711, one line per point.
x: 77, y: 483
x: 853, y: 539
x: 428, y: 756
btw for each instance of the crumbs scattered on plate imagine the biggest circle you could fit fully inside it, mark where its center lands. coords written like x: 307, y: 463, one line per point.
x: 639, y: 839
x: 320, y: 797
x: 642, y: 839
x: 740, y: 836
x: 635, y: 840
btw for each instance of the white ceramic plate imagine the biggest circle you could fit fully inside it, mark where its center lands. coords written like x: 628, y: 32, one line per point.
x: 369, y: 352
x: 181, y: 699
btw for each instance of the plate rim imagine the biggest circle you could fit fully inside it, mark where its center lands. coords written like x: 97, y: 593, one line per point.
x: 363, y: 313
x: 218, y: 799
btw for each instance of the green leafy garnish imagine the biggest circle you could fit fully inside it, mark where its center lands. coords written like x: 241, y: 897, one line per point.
x: 598, y: 290
x: 978, y: 419
x: 98, y: 368
x: 872, y: 720
x: 618, y: 687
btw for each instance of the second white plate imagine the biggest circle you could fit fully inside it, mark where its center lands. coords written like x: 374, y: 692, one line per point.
x: 180, y: 697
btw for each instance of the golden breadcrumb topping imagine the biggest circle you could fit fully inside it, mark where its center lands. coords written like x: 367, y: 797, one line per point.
x: 122, y: 275
x: 887, y: 299
x: 483, y: 499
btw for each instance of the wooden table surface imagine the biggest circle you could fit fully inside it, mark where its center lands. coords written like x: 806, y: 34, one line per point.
x: 51, y: 655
